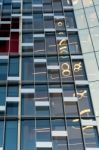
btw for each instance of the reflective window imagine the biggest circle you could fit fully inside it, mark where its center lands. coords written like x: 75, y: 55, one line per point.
x: 56, y: 103
x: 50, y: 43
x: 53, y: 60
x: 13, y: 91
x: 3, y: 69
x: 38, y: 21
x: 41, y: 92
x: 70, y: 19
x: 11, y: 133
x: 74, y: 44
x: 65, y: 68
x: 28, y: 135
x: 28, y: 105
x: 49, y: 22
x: 60, y: 143
x: 13, y: 66
x: 60, y: 24
x: 53, y: 75
x: 47, y: 5
x: 91, y: 136
x: 42, y: 111
x: 12, y: 109
x: 71, y: 109
x: 43, y: 130
x: 57, y: 5
x: 74, y: 134
x: 37, y: 1
x: 1, y: 132
x: 27, y: 24
x: 39, y: 46
x: 67, y: 2
x: 27, y: 38
x: 58, y: 124
x: 79, y: 70
x: 85, y: 104
x: 2, y: 95
x: 40, y: 72
x: 27, y: 68
x: 62, y: 46
x: 68, y: 90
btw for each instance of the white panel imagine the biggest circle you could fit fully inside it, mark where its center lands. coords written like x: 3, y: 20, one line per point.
x: 2, y: 108
x: 27, y: 44
x: 72, y: 30
x: 47, y: 30
x: 40, y: 60
x: 81, y: 82
x: 59, y: 17
x: 4, y: 38
x: 3, y: 22
x: 44, y: 144
x: 59, y: 133
x: 77, y: 57
x: 27, y: 91
x: 13, y: 78
x: 68, y: 7
x: 53, y: 67
x: 15, y: 15
x: 92, y: 148
x: 12, y: 99
x: 1, y: 148
x: 55, y: 90
x: 15, y: 30
x: 61, y: 38
x: 88, y: 122
x: 38, y: 35
x: 37, y: 5
x: 27, y: 17
x: 4, y: 57
x: 48, y: 14
x: 41, y: 103
x: 14, y: 1
x: 70, y: 99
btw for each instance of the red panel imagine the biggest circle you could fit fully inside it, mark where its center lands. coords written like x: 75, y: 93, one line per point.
x: 15, y: 23
x: 14, y: 42
x: 4, y: 30
x: 4, y: 46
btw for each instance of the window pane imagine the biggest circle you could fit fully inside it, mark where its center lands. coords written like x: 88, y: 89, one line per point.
x: 27, y: 68
x: 43, y: 130
x: 14, y: 66
x: 13, y: 91
x: 3, y: 70
x: 79, y: 70
x: 1, y: 132
x: 56, y: 104
x: 28, y: 135
x: 28, y: 107
x: 74, y: 134
x: 11, y: 133
x: 91, y: 136
x: 85, y: 104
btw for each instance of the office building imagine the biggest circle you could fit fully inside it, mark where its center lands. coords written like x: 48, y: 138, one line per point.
x: 49, y: 74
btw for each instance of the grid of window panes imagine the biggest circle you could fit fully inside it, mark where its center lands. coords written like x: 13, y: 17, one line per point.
x: 45, y: 100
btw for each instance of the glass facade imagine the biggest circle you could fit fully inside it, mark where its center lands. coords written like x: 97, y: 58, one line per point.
x: 49, y: 75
